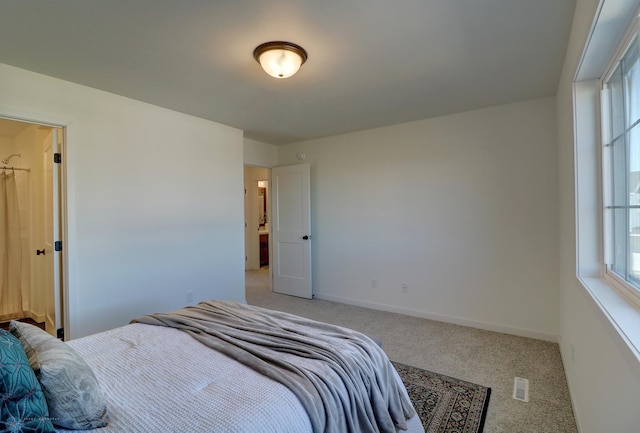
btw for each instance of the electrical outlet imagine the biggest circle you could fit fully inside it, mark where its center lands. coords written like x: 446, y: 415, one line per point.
x: 374, y: 283
x: 405, y: 288
x: 189, y: 296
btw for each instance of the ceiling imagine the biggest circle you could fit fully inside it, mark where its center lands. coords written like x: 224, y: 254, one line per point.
x: 371, y: 62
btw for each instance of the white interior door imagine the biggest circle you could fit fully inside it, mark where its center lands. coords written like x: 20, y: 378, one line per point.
x: 52, y: 233
x: 291, y: 230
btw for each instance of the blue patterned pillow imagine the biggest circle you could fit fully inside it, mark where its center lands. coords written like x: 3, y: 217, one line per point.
x: 22, y: 404
x: 72, y: 391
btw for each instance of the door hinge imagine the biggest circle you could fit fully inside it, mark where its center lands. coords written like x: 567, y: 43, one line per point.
x: 60, y: 333
x: 57, y: 246
x: 57, y: 158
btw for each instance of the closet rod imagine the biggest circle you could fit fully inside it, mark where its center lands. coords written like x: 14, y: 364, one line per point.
x: 14, y: 168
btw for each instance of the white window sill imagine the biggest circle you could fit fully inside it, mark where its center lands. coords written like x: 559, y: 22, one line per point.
x: 624, y: 318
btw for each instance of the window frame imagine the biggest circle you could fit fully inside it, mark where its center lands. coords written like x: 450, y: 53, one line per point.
x: 628, y: 291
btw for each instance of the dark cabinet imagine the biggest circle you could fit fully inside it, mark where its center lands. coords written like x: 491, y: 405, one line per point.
x: 264, y: 249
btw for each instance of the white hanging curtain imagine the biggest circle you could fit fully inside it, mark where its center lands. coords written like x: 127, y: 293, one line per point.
x: 10, y: 249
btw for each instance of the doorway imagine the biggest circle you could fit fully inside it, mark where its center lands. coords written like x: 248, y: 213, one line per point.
x: 27, y: 152
x: 256, y: 217
x: 288, y: 226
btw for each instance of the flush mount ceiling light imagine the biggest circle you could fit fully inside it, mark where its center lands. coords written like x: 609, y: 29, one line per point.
x: 280, y: 59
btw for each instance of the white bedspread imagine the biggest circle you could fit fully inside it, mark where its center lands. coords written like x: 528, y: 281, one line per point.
x: 161, y: 379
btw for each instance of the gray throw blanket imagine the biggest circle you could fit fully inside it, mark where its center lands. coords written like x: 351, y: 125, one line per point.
x: 342, y: 378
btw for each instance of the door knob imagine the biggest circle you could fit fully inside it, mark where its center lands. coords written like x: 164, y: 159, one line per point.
x: 305, y: 237
x: 38, y: 252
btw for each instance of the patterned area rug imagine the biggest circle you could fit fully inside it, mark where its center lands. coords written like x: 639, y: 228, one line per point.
x: 445, y: 404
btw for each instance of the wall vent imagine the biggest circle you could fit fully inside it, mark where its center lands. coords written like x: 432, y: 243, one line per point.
x: 521, y: 389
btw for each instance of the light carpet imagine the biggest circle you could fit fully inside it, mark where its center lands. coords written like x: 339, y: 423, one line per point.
x: 478, y: 356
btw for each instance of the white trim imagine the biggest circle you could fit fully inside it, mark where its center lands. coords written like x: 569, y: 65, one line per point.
x: 38, y: 317
x: 602, y: 37
x: 622, y: 316
x: 30, y: 117
x: 630, y: 33
x: 554, y: 338
x: 605, y: 136
x: 588, y: 184
x: 624, y: 289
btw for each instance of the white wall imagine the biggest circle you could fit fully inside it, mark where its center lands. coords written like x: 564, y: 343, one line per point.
x: 463, y: 208
x: 603, y: 376
x: 155, y: 203
x: 260, y: 154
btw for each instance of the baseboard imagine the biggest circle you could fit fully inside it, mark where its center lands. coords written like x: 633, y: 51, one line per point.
x: 576, y: 413
x: 50, y: 323
x: 35, y: 316
x: 443, y: 318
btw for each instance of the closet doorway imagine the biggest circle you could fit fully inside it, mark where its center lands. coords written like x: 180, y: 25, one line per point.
x: 31, y: 197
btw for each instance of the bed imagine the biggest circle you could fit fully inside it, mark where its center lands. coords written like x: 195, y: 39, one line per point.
x: 163, y: 372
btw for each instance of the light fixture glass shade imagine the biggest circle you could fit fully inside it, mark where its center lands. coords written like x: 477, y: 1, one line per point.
x: 280, y: 59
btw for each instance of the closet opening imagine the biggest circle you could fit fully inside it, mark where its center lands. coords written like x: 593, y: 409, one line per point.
x: 31, y: 286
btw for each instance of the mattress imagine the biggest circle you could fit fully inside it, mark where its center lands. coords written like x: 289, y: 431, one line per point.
x: 161, y: 379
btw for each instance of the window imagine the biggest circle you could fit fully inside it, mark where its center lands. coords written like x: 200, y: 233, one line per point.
x: 621, y: 168
x: 592, y: 162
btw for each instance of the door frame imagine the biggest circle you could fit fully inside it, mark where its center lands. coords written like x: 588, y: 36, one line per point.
x: 62, y: 205
x: 250, y: 185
